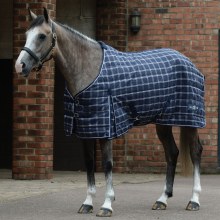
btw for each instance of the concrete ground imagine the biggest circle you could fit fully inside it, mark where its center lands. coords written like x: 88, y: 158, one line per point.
x: 61, y: 197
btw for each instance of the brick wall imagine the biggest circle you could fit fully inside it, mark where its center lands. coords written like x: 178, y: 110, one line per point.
x: 111, y: 22
x: 32, y: 105
x: 188, y: 26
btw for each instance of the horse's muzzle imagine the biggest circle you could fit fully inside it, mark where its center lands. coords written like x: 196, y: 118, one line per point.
x: 18, y: 67
x: 22, y: 69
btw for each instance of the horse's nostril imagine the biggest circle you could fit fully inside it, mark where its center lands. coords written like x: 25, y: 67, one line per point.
x: 23, y: 65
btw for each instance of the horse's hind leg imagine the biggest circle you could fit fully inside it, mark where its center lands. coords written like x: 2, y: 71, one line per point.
x: 89, y: 146
x: 191, y: 138
x: 107, y: 162
x: 171, y: 152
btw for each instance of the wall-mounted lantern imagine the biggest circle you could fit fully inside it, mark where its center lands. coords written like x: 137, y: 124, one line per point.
x: 135, y: 20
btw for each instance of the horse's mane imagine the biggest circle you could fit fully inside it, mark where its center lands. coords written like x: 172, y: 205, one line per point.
x: 77, y: 33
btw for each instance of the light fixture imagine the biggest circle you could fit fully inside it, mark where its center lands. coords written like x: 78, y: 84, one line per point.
x: 135, y: 20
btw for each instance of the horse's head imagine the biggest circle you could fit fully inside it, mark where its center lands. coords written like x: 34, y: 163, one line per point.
x: 40, y: 41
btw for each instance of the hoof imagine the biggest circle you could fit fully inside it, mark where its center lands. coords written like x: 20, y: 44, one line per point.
x: 159, y: 206
x: 85, y: 209
x: 192, y: 206
x: 103, y: 212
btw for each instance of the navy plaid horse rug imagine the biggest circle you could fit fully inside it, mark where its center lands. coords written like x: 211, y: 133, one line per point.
x: 157, y: 86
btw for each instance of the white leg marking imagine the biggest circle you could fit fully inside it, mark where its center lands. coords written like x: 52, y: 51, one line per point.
x: 90, y: 195
x: 197, y: 186
x: 109, y: 195
x: 163, y: 198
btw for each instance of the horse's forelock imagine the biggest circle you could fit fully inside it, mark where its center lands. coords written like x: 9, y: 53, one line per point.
x: 37, y: 22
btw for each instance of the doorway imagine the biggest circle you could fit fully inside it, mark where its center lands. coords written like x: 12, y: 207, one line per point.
x: 68, y: 151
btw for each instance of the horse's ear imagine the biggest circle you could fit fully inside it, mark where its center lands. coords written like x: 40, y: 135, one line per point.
x: 32, y: 15
x: 46, y: 16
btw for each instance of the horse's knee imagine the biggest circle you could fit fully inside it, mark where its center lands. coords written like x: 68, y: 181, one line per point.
x: 108, y: 166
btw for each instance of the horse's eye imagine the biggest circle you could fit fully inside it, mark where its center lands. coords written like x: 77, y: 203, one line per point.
x: 42, y: 36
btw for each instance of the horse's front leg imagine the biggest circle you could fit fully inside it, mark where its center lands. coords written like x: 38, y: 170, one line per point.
x: 89, y: 146
x: 107, y: 162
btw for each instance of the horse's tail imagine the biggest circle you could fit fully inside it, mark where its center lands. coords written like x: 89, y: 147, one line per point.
x: 185, y: 160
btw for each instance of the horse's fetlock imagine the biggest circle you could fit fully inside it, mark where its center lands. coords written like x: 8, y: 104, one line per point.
x: 110, y: 195
x: 169, y: 194
x: 91, y: 191
x: 197, y: 189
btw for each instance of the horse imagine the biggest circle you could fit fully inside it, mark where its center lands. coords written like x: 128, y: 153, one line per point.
x: 80, y: 59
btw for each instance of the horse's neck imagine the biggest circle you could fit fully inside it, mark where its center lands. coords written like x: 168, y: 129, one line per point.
x: 77, y: 58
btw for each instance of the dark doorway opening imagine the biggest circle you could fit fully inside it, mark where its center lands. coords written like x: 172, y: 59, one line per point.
x: 6, y: 94
x: 68, y: 151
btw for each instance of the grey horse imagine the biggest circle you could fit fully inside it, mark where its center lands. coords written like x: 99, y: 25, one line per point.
x: 80, y: 59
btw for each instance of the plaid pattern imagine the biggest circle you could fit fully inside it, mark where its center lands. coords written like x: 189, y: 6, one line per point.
x: 158, y: 86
